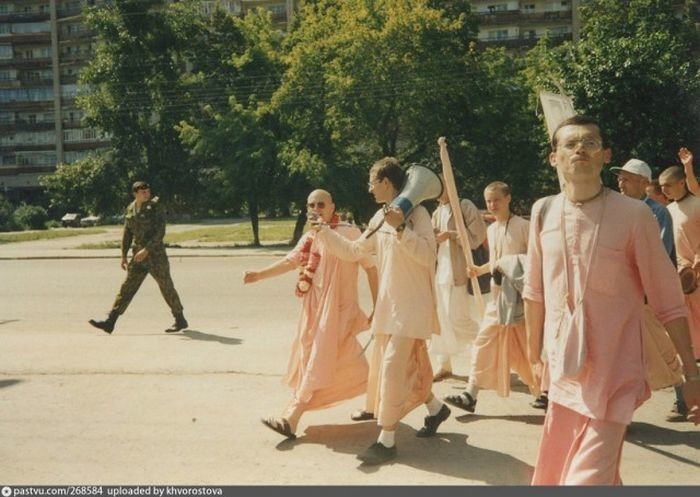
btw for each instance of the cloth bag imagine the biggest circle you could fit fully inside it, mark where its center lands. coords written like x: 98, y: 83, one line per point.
x: 569, y: 355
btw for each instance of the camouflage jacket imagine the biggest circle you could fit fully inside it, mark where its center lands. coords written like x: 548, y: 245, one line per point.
x: 145, y: 228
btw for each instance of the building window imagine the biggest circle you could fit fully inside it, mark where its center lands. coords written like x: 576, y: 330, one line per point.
x: 499, y: 34
x: 5, y: 51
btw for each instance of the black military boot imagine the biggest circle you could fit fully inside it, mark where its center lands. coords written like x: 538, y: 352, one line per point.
x: 108, y: 324
x: 179, y: 324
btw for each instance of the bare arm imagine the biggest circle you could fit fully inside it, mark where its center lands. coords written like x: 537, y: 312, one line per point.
x: 474, y: 271
x: 686, y: 157
x: 680, y: 336
x: 280, y: 267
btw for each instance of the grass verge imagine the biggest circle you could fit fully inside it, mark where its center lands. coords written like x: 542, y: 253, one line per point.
x: 28, y: 236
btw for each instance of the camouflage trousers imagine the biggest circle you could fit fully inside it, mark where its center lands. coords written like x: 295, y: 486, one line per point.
x: 158, y: 266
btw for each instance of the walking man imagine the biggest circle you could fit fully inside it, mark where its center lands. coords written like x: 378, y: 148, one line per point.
x: 144, y: 229
x: 326, y: 364
x: 400, y: 376
x: 456, y: 309
x: 593, y: 256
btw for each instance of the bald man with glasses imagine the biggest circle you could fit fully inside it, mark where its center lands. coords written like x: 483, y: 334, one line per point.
x: 326, y: 363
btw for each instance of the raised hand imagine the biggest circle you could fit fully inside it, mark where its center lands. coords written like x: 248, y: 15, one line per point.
x: 686, y: 157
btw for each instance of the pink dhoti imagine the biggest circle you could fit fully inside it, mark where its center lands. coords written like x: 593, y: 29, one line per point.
x: 693, y: 302
x: 327, y: 364
x: 578, y: 450
x: 498, y: 349
x: 400, y: 377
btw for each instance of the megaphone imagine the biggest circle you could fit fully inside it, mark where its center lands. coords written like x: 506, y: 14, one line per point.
x: 421, y: 184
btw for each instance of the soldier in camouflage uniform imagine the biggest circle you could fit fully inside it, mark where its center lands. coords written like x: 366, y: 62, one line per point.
x: 144, y: 228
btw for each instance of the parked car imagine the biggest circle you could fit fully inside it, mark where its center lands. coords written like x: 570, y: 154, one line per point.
x: 89, y: 221
x: 71, y: 220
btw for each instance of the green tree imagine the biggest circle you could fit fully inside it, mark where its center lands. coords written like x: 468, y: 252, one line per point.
x: 636, y: 70
x: 370, y: 78
x: 239, y: 140
x: 136, y: 90
x: 92, y: 185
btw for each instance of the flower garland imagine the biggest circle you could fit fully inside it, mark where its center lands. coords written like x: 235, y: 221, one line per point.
x: 309, y: 263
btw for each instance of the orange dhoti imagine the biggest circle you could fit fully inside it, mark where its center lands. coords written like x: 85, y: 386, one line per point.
x: 498, y: 349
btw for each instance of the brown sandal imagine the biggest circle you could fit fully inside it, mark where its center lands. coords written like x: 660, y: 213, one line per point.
x: 280, y: 425
x: 361, y: 415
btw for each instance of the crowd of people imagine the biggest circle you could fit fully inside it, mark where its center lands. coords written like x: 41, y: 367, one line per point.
x: 593, y: 303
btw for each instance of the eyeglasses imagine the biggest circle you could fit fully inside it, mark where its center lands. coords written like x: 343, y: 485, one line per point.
x: 313, y: 205
x: 588, y: 144
x: 142, y: 187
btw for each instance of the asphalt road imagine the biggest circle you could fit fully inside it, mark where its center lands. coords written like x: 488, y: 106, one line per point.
x: 144, y: 407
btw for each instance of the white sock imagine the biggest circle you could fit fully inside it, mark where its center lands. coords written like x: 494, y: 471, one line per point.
x: 387, y: 438
x: 472, y: 390
x: 434, y: 406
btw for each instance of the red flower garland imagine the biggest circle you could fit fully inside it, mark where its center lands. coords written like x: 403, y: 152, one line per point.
x: 309, y: 263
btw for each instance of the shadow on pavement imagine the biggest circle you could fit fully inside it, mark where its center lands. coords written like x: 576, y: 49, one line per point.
x: 650, y: 436
x: 528, y: 419
x: 209, y: 337
x: 9, y: 383
x: 447, y: 454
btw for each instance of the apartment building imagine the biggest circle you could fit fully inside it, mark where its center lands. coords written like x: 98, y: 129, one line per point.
x: 44, y: 44
x: 517, y: 25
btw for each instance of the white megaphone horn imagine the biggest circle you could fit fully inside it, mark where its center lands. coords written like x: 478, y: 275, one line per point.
x: 421, y: 184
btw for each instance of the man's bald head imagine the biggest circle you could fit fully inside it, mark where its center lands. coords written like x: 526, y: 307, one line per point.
x: 320, y: 194
x: 320, y: 203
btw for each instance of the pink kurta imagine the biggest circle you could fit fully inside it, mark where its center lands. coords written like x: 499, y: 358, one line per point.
x: 630, y: 263
x: 326, y: 364
x: 686, y: 235
x: 497, y: 348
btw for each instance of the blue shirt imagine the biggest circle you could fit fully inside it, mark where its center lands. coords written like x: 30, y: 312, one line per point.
x: 663, y: 217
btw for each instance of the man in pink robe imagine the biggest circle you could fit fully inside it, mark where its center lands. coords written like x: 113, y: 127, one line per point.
x: 499, y: 347
x: 593, y: 255
x: 326, y: 364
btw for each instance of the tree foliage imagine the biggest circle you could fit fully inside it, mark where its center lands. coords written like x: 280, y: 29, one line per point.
x: 239, y: 140
x: 136, y: 87
x: 636, y: 70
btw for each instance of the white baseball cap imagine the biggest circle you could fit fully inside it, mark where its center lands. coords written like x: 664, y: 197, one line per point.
x: 635, y: 166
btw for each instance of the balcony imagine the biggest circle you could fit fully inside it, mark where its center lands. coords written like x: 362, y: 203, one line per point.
x: 25, y: 17
x: 81, y: 146
x: 518, y: 17
x: 27, y: 105
x: 26, y: 63
x: 22, y: 38
x: 76, y: 35
x: 69, y: 12
x: 74, y: 57
x: 28, y: 147
x: 24, y: 125
x: 523, y: 41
